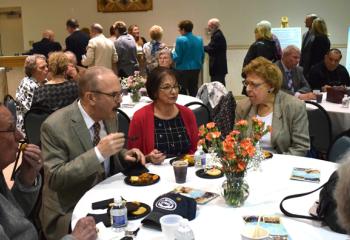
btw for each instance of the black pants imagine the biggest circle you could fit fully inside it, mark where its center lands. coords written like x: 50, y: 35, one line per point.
x: 188, y: 80
x: 218, y: 78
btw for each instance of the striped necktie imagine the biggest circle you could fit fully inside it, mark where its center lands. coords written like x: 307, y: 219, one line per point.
x: 97, y: 128
x: 290, y: 81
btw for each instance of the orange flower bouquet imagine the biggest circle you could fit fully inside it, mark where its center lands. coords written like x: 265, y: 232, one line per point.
x: 238, y: 147
x: 235, y: 152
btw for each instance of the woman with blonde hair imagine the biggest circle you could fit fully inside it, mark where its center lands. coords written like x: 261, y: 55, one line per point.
x: 58, y: 92
x: 263, y: 46
x: 151, y: 48
x: 320, y: 44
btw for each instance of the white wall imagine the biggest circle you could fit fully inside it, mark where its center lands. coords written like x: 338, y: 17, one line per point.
x: 238, y: 19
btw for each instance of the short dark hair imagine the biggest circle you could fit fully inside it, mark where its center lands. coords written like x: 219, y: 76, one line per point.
x: 72, y: 23
x: 111, y: 30
x: 155, y: 79
x: 186, y: 25
x: 336, y: 50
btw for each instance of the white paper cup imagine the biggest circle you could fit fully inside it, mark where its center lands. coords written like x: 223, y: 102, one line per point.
x: 254, y: 233
x: 169, y: 224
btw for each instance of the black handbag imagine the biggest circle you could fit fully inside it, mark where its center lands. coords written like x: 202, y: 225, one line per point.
x: 326, y: 210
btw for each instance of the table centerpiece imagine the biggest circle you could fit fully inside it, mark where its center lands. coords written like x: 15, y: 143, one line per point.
x: 234, y: 152
x: 135, y: 85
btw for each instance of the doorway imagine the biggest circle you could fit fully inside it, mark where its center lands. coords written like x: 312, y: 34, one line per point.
x: 11, y: 31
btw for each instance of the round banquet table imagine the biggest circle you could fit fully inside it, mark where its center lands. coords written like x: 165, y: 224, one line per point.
x: 216, y: 219
x: 130, y: 108
x: 340, y: 116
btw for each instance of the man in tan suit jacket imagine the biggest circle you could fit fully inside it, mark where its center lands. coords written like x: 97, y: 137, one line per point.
x: 77, y: 154
x: 100, y: 50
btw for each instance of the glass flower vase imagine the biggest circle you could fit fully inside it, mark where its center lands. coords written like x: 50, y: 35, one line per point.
x: 135, y: 96
x: 235, y: 190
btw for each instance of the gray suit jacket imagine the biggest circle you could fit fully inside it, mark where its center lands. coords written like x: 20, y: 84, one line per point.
x: 290, y: 125
x: 299, y: 82
x: 71, y: 167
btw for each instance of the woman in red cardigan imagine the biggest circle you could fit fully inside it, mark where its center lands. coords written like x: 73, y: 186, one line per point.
x: 163, y: 128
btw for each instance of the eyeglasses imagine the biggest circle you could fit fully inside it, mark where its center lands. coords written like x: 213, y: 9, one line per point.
x: 12, y: 129
x: 114, y: 95
x: 168, y: 88
x: 251, y: 84
x: 15, y: 132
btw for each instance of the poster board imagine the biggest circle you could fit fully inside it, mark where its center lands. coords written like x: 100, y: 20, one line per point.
x: 348, y: 52
x: 288, y: 36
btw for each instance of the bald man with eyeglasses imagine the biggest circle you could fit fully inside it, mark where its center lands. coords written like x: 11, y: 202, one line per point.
x: 82, y: 146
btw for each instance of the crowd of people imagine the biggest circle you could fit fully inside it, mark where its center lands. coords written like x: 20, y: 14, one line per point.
x: 80, y: 142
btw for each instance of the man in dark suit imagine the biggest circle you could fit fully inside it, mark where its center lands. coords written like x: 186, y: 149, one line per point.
x: 294, y: 81
x: 81, y: 146
x: 217, y: 52
x: 77, y: 41
x: 308, y: 37
x: 46, y: 45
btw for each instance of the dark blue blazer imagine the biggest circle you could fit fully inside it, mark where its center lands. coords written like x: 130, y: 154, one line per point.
x: 45, y: 46
x: 216, y: 50
x: 76, y: 43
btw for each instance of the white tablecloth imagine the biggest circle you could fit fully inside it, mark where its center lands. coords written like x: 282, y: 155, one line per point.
x: 340, y: 116
x: 215, y: 219
x: 130, y: 108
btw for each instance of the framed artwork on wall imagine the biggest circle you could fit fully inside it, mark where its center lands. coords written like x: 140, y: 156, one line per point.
x: 124, y: 5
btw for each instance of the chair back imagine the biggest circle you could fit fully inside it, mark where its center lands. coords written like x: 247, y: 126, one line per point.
x: 123, y: 123
x: 320, y: 129
x: 10, y: 103
x: 211, y: 93
x: 201, y: 112
x: 339, y: 147
x: 32, y: 124
x: 224, y: 113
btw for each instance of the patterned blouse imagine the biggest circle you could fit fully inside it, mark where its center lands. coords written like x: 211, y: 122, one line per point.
x: 55, y: 96
x: 24, y: 97
x: 170, y: 136
x: 150, y: 49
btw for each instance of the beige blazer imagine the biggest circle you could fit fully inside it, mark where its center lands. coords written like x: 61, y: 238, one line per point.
x: 100, y: 52
x: 290, y: 125
x: 71, y: 167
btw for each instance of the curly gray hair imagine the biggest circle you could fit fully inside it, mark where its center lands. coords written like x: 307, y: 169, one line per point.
x: 30, y: 63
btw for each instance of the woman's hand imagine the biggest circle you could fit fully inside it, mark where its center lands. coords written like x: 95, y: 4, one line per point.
x: 155, y: 157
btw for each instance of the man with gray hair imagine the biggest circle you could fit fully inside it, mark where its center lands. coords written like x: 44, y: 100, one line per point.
x: 294, y: 81
x: 100, y: 50
x: 46, y: 45
x: 216, y: 50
